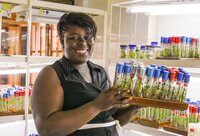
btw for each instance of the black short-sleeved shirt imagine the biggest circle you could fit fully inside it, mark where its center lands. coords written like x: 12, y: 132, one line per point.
x: 78, y: 92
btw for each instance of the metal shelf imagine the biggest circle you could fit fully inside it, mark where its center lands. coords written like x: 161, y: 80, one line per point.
x: 11, y: 118
x: 191, y: 63
x: 15, y: 1
x: 13, y: 58
x: 65, y: 7
x: 144, y: 130
x: 43, y: 59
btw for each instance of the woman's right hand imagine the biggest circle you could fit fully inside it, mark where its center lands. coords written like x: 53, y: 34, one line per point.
x: 113, y: 97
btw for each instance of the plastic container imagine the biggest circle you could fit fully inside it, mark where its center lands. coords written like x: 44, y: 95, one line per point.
x: 124, y: 51
x: 132, y: 51
x: 142, y: 52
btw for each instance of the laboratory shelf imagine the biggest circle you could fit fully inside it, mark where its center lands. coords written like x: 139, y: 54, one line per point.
x: 175, y: 130
x: 152, y: 123
x: 183, y: 62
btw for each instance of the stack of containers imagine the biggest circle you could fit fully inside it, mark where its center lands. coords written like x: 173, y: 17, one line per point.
x: 12, y: 100
x: 180, y: 47
x: 157, y: 82
x: 158, y: 114
x: 142, y: 52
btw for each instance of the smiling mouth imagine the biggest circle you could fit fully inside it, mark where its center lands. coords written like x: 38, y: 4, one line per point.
x: 82, y: 52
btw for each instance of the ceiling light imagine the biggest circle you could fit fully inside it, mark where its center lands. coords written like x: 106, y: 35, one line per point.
x: 166, y: 9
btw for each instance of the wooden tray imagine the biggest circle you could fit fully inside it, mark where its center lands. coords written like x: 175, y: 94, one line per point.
x: 175, y: 130
x: 11, y: 113
x: 169, y: 58
x: 152, y: 123
x: 135, y: 119
x: 146, y: 102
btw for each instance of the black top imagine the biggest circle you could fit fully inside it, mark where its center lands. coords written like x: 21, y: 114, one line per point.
x: 78, y: 92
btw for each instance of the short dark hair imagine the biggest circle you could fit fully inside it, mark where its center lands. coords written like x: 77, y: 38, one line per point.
x: 75, y: 19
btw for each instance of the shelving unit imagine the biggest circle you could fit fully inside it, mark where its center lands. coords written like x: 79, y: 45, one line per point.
x: 187, y: 62
x: 27, y: 63
x: 140, y: 29
x: 11, y: 118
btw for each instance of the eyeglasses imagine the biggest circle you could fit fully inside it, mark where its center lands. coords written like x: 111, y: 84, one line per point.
x: 88, y: 38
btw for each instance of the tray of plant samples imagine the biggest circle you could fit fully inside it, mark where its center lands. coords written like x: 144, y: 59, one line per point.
x: 152, y: 123
x: 175, y: 130
x: 153, y: 86
x: 154, y: 117
x: 12, y: 100
x: 135, y: 119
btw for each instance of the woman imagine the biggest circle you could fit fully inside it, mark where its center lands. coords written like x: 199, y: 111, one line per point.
x: 73, y: 96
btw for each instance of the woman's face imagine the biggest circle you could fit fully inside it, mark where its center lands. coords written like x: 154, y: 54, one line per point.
x: 78, y: 45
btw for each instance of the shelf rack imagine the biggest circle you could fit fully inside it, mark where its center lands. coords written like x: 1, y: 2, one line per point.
x: 185, y: 62
x: 26, y: 60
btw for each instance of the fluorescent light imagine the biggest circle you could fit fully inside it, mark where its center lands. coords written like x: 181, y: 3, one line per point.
x: 167, y: 9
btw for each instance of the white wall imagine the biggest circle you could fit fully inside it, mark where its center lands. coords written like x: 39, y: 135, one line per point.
x: 178, y: 25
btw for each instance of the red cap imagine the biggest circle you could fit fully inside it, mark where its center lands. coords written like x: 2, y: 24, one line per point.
x: 178, y: 40
x: 172, y: 39
x: 20, y: 93
x: 24, y: 92
x: 173, y: 75
x: 168, y: 69
x: 175, y: 69
x: 195, y: 109
x: 191, y: 129
x: 30, y: 92
x: 193, y: 40
x: 191, y: 109
x: 17, y: 93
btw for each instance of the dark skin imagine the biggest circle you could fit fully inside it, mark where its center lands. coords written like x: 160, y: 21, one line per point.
x: 47, y: 97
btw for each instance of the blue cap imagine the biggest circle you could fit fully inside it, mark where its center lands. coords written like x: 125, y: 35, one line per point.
x: 150, y: 72
x: 119, y: 68
x: 132, y: 46
x: 161, y: 39
x: 165, y: 75
x: 127, y: 68
x: 187, y: 40
x: 183, y: 39
x: 157, y: 73
x: 188, y: 100
x: 180, y: 69
x: 166, y: 40
x: 180, y: 76
x: 197, y: 41
x: 123, y: 46
x: 159, y: 67
x: 146, y: 70
x: 153, y: 65
x: 163, y: 67
x: 142, y: 47
x: 190, y: 40
x: 186, y: 78
x: 154, y: 43
x: 8, y: 92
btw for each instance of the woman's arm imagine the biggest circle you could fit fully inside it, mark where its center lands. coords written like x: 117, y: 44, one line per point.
x: 47, y: 103
x: 125, y: 114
